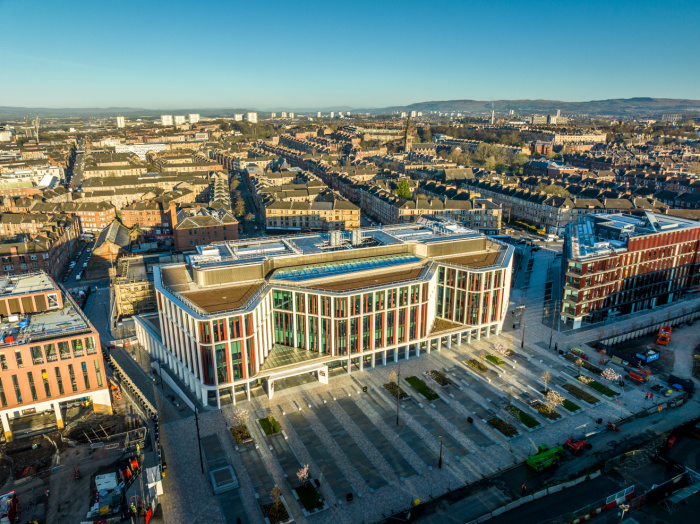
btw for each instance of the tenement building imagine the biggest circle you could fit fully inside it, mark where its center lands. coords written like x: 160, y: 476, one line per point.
x: 617, y: 264
x: 250, y: 313
x: 49, y: 352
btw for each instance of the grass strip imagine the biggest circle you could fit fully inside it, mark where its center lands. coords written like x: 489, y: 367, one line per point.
x: 529, y: 421
x: 422, y: 388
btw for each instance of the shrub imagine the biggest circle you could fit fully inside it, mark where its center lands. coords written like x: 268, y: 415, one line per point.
x: 475, y: 364
x: 395, y: 390
x: 439, y: 377
x: 503, y: 427
x: 546, y: 412
x: 240, y: 433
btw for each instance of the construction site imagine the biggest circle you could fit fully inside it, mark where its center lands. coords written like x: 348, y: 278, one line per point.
x: 89, y: 471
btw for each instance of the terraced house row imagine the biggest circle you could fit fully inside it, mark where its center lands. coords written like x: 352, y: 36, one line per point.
x: 249, y: 313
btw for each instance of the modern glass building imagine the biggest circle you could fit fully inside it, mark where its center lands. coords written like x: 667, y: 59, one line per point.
x: 265, y: 310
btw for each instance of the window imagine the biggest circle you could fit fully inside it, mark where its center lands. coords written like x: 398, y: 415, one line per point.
x: 77, y: 347
x: 71, y: 374
x: 98, y: 373
x: 37, y: 356
x: 3, y: 362
x: 32, y: 388
x: 90, y: 345
x: 64, y: 350
x: 45, y: 377
x: 53, y: 300
x: 18, y: 357
x: 58, y: 379
x: 18, y: 392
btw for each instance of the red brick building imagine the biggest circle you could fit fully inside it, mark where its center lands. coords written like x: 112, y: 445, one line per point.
x: 151, y: 217
x: 199, y: 227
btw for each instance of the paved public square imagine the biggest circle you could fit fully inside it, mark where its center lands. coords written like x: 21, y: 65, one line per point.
x: 366, y: 466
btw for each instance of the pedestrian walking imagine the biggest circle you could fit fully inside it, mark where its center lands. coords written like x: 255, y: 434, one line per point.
x: 646, y: 397
x: 556, y: 347
x: 524, y: 489
x: 47, y: 492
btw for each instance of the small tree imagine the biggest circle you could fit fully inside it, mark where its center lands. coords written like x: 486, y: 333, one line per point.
x: 501, y: 349
x: 585, y: 379
x: 610, y: 374
x: 239, y: 207
x: 392, y: 377
x: 552, y: 400
x: 249, y: 217
x: 275, y: 494
x: 403, y: 190
x: 579, y: 363
x: 303, y: 474
x: 545, y: 378
x: 240, y: 416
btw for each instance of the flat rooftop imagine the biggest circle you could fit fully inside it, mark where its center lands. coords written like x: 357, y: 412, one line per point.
x: 606, y: 234
x: 227, y: 276
x: 26, y: 285
x: 247, y: 251
x: 47, y: 325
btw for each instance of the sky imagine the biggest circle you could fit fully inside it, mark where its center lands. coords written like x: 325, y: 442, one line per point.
x: 276, y: 55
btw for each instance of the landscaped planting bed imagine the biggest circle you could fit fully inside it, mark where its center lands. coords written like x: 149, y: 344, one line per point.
x: 494, y: 360
x: 439, y: 377
x: 395, y: 390
x: 422, y: 388
x: 276, y: 513
x: 269, y: 425
x: 523, y: 417
x: 503, y: 427
x: 600, y: 388
x: 543, y: 410
x: 309, y: 497
x: 240, y: 433
x: 475, y: 364
x: 580, y: 394
x: 570, y: 406
x: 586, y: 365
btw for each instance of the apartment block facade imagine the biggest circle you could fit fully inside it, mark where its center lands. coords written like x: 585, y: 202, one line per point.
x: 49, y: 352
x: 617, y: 264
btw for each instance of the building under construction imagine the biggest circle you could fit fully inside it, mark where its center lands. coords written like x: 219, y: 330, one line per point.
x: 133, y: 285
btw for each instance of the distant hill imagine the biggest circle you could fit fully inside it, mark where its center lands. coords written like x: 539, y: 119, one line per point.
x: 612, y: 107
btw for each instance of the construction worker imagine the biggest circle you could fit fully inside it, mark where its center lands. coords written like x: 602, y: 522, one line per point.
x: 523, y: 489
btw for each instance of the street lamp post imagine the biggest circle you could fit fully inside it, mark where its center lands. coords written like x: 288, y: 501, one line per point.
x: 440, y: 459
x: 522, y: 338
x: 199, y: 442
x: 398, y: 393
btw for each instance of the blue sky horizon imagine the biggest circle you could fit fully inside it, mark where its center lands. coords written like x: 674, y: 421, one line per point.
x: 313, y: 54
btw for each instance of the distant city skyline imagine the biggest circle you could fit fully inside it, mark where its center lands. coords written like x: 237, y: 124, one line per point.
x: 322, y: 55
